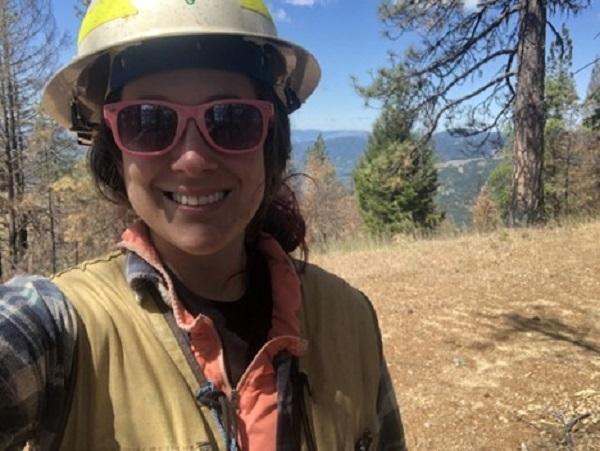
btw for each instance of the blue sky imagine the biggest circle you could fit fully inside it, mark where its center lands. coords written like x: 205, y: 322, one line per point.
x: 346, y: 38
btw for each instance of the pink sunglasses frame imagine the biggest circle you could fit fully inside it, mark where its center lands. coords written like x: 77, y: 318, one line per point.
x: 184, y: 114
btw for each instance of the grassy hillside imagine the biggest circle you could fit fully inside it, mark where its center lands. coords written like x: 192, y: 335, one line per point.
x: 493, y: 341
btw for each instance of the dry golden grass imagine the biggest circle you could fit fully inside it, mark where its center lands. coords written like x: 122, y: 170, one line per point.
x: 493, y: 341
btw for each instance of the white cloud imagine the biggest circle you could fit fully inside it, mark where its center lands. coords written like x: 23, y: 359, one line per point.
x: 280, y: 15
x: 301, y: 2
x: 471, y: 4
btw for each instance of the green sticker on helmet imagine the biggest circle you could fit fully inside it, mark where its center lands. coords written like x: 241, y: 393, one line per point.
x: 258, y: 6
x: 190, y: 2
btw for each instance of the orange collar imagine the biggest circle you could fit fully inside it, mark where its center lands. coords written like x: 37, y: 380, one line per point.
x: 285, y: 283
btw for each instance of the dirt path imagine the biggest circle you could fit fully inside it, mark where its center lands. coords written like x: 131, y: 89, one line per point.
x: 493, y: 341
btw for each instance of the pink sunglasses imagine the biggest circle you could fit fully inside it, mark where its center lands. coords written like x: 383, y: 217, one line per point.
x: 153, y: 127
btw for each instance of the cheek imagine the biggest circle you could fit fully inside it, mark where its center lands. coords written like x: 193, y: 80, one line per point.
x: 256, y: 183
x: 130, y: 177
x: 137, y: 177
x: 253, y: 175
x: 140, y: 170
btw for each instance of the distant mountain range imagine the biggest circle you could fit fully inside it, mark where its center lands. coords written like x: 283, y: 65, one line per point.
x: 346, y: 146
x: 464, y: 163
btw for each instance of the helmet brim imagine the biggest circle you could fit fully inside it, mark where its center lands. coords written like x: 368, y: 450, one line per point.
x: 302, y: 76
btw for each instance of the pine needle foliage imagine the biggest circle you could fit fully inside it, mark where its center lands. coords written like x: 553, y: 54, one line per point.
x: 317, y: 153
x: 562, y: 118
x: 396, y: 179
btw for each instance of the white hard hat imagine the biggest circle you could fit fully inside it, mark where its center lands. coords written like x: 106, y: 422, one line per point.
x: 74, y: 96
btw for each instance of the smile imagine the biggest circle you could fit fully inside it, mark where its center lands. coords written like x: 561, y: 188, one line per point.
x: 195, y: 201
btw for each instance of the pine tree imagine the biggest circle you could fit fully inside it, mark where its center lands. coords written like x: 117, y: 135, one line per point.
x: 395, y: 180
x: 326, y: 203
x: 498, y: 186
x: 317, y: 153
x: 562, y: 109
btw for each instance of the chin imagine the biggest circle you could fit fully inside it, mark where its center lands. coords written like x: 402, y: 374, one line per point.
x: 201, y: 249
x: 203, y: 243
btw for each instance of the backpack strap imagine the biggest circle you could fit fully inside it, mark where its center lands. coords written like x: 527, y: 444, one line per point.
x: 292, y: 419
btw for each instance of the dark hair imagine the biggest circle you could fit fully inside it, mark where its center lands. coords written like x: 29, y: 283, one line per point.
x: 279, y: 212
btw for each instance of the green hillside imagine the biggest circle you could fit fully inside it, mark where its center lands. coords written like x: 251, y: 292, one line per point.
x: 459, y: 184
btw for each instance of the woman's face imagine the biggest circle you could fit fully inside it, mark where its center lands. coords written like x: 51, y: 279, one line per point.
x: 194, y: 199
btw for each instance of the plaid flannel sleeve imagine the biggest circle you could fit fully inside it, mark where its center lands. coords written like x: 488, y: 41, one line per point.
x: 391, y: 432
x: 38, y: 329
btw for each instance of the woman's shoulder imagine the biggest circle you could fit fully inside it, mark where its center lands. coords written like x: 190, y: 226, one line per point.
x: 40, y: 299
x: 325, y: 290
x: 110, y: 261
x: 337, y: 316
x: 314, y: 277
x: 96, y: 286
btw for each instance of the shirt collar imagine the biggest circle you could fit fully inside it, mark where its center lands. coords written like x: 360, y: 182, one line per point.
x: 139, y: 272
x: 143, y: 266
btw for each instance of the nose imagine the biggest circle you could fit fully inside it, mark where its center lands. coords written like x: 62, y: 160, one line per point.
x: 193, y: 154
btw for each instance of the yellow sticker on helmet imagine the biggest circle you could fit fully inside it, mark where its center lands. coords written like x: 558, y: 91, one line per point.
x: 105, y: 11
x: 256, y: 6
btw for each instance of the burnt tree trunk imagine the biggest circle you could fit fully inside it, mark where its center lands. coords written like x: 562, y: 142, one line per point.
x: 12, y: 143
x: 52, y: 212
x: 529, y: 119
x: 10, y: 158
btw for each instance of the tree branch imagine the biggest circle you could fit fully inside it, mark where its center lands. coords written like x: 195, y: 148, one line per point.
x: 437, y: 117
x: 469, y: 43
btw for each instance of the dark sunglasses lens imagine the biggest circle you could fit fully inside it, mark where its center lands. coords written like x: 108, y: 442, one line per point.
x: 147, y: 127
x: 234, y: 126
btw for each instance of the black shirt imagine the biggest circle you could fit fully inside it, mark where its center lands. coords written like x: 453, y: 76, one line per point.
x: 243, y: 325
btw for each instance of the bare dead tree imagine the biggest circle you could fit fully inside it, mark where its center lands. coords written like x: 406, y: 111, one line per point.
x: 29, y: 43
x: 476, y: 70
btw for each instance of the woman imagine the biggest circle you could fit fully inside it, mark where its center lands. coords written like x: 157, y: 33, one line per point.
x: 200, y: 331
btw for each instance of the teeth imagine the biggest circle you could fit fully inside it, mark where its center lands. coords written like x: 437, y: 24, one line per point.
x: 194, y: 201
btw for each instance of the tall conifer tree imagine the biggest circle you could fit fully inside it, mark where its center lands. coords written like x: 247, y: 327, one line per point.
x: 562, y: 109
x: 396, y: 180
